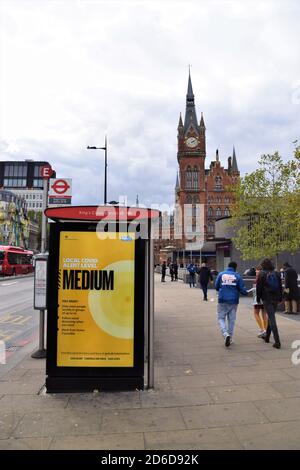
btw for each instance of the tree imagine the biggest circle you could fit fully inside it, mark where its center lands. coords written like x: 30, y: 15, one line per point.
x: 266, y: 212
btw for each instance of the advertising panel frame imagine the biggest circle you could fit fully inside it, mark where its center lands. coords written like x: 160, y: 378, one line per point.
x: 81, y: 379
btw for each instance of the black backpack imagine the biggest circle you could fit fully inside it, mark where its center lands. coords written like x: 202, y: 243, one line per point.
x: 273, y: 282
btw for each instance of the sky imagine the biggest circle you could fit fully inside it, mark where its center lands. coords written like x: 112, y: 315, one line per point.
x: 73, y: 71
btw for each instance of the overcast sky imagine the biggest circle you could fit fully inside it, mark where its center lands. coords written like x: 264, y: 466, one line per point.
x: 75, y: 70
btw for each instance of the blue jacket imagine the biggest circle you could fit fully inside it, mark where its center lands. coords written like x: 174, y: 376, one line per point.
x: 192, y: 268
x: 230, y: 285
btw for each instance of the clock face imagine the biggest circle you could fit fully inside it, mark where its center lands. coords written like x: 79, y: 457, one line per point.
x: 192, y: 142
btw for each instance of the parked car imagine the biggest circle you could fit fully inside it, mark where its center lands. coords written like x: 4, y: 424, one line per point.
x: 250, y: 272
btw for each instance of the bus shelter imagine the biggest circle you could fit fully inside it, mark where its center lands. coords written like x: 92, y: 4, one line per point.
x: 100, y: 298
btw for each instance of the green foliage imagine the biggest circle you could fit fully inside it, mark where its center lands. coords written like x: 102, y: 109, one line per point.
x: 266, y: 213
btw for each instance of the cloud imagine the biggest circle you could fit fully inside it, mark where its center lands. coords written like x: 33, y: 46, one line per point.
x: 74, y: 71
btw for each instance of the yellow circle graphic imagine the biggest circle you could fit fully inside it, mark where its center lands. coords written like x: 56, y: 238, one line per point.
x: 113, y: 310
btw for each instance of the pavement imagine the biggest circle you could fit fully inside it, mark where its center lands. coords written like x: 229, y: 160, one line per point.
x: 206, y: 396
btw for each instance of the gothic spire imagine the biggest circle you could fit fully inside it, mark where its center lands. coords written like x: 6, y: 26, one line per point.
x: 177, y: 182
x: 190, y: 111
x: 202, y: 121
x: 180, y: 123
x: 234, y: 161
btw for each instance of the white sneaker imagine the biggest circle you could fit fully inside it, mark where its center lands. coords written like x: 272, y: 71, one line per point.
x: 261, y: 334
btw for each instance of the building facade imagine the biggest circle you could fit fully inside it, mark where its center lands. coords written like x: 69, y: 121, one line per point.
x: 24, y: 179
x: 200, y: 192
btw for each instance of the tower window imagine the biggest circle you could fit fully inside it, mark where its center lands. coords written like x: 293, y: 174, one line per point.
x: 226, y: 212
x: 210, y: 212
x: 218, y: 212
x: 195, y: 178
x: 188, y: 178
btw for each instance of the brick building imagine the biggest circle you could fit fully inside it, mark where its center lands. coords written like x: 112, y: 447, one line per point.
x: 199, y: 192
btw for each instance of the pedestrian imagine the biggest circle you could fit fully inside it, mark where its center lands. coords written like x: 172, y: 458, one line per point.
x: 192, y: 274
x: 175, y: 267
x: 291, y: 293
x: 260, y: 315
x: 229, y: 285
x: 269, y: 290
x: 171, y: 267
x: 205, y: 276
x: 163, y: 271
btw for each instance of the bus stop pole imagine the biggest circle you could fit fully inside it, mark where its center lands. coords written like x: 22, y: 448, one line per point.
x: 146, y: 305
x: 44, y: 219
x: 151, y: 313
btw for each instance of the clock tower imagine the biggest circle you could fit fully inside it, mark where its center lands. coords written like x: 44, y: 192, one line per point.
x: 191, y: 155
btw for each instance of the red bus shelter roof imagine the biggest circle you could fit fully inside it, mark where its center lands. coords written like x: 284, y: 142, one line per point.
x: 96, y: 213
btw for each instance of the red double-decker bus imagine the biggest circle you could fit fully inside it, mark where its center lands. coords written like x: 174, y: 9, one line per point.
x: 15, y: 260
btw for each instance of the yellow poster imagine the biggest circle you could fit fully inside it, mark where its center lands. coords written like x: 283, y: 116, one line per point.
x: 96, y: 300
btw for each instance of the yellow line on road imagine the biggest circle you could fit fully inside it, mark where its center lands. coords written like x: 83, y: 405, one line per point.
x: 15, y: 319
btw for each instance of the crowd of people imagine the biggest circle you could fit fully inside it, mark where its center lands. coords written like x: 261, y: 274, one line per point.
x: 270, y: 288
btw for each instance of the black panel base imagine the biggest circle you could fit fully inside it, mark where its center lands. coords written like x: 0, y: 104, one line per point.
x: 89, y: 384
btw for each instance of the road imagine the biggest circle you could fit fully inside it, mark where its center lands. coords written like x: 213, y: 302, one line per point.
x: 18, y: 319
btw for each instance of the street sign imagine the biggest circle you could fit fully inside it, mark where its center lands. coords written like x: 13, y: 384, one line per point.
x: 60, y: 191
x: 46, y: 171
x: 40, y: 282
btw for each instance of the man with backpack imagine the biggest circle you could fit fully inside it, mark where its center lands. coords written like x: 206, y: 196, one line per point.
x: 204, y: 276
x: 229, y: 285
x: 192, y: 274
x: 269, y: 290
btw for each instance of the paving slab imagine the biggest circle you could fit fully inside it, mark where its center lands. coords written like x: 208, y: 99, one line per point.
x: 201, y: 380
x: 273, y: 436
x: 241, y: 393
x: 203, y: 439
x: 67, y: 422
x: 105, y: 400
x: 103, y: 441
x: 23, y: 403
x: 288, y: 389
x: 174, y: 398
x: 8, y: 422
x: 286, y: 409
x: 150, y: 419
x: 212, y: 416
x: 260, y: 376
x: 37, y: 443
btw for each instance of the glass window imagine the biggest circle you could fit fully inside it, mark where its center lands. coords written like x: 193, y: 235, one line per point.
x: 226, y: 212
x: 218, y: 212
x: 195, y: 178
x: 210, y: 212
x: 37, y: 171
x: 188, y: 178
x: 38, y: 183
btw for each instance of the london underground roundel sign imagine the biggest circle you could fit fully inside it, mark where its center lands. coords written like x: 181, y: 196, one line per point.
x: 60, y: 186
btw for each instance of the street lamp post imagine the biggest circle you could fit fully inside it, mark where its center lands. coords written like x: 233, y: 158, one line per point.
x: 105, y: 166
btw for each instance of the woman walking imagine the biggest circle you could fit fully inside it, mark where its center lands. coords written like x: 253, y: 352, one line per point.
x: 269, y: 290
x: 260, y: 314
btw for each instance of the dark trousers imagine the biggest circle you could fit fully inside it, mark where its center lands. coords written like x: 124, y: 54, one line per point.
x: 270, y: 308
x: 204, y: 288
x: 192, y: 279
x: 163, y: 275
